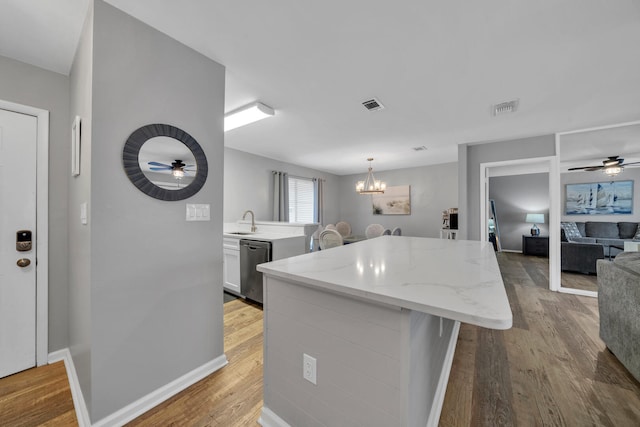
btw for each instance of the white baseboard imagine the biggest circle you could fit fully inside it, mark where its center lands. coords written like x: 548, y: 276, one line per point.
x: 145, y: 403
x: 140, y: 406
x: 268, y: 418
x: 82, y: 413
x: 441, y: 388
x: 512, y: 251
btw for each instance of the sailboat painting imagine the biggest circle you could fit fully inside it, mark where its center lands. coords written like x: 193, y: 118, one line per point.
x: 599, y: 198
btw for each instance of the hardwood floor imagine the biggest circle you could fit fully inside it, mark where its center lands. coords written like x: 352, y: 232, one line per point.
x: 231, y: 396
x: 551, y: 368
x: 37, y: 397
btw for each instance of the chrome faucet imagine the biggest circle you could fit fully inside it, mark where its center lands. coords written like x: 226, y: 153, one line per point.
x: 253, y: 220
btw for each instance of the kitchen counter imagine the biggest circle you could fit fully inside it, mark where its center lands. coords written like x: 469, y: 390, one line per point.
x: 263, y: 236
x: 380, y: 319
x: 457, y: 280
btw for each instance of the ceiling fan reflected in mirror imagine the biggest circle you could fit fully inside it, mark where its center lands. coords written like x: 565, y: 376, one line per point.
x: 177, y: 168
x: 611, y: 166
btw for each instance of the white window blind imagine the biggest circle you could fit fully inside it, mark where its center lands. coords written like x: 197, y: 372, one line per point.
x: 300, y: 199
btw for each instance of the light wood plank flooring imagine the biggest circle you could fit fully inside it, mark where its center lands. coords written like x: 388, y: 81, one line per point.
x: 37, y: 397
x: 551, y: 368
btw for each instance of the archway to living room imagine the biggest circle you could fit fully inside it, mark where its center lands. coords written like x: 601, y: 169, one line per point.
x: 600, y: 205
x: 513, y: 179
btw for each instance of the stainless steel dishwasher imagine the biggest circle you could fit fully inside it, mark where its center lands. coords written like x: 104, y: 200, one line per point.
x: 252, y: 253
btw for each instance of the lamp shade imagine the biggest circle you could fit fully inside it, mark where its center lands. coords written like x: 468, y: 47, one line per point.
x: 535, y: 218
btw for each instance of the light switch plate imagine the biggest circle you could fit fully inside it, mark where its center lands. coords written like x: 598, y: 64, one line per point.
x: 198, y: 212
x: 84, y: 216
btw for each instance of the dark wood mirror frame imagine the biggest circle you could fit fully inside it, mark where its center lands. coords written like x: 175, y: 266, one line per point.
x: 132, y: 167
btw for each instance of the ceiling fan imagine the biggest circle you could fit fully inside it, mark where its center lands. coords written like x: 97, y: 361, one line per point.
x: 178, y: 168
x: 612, y: 166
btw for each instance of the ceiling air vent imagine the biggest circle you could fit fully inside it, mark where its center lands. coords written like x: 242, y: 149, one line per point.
x: 373, y: 104
x: 505, y: 107
x: 420, y: 148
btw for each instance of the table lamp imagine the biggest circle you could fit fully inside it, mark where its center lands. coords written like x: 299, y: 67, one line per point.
x: 535, y: 219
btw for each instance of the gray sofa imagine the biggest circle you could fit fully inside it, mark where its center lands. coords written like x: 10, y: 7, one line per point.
x: 583, y: 243
x: 619, y: 306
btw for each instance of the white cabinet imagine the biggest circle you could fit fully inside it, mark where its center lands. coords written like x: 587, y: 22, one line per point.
x: 231, y: 264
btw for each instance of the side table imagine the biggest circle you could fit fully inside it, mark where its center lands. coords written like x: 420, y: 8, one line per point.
x: 535, y: 245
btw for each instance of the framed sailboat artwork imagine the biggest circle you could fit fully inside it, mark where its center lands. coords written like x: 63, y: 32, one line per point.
x: 599, y: 198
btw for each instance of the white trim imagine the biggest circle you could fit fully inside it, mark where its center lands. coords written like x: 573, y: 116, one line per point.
x: 145, y: 403
x: 441, y: 388
x: 637, y: 122
x: 82, y: 414
x: 554, y: 246
x: 268, y: 418
x: 42, y: 225
x: 511, y: 251
x: 552, y: 163
x: 574, y: 291
x: 555, y: 275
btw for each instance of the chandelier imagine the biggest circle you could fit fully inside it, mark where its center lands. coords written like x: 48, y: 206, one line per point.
x: 370, y: 185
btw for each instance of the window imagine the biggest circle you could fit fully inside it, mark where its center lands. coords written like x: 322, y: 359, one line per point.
x: 301, y: 195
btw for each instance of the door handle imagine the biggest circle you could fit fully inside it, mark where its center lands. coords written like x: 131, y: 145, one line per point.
x: 23, y: 262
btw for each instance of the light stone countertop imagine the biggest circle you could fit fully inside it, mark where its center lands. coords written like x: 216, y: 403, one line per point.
x: 263, y: 236
x: 454, y: 279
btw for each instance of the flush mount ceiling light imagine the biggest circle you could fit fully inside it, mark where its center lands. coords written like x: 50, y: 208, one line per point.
x: 370, y: 185
x: 247, y: 114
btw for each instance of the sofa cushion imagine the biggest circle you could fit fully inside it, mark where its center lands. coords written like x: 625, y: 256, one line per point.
x: 637, y: 236
x: 629, y: 260
x: 627, y: 229
x: 581, y: 229
x: 569, y: 231
x: 607, y: 230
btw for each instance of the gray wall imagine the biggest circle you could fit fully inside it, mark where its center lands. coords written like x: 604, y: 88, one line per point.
x: 515, y: 196
x: 155, y: 280
x: 248, y: 184
x: 28, y: 85
x: 630, y: 173
x: 470, y: 156
x: 433, y: 189
x: 80, y: 192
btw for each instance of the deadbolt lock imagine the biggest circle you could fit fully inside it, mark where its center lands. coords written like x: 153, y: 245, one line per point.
x: 23, y: 240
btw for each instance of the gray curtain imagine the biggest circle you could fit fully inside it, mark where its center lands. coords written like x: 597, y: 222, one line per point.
x: 280, y: 196
x: 318, y: 215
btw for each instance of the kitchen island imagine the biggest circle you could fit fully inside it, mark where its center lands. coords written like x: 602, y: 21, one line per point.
x: 376, y: 323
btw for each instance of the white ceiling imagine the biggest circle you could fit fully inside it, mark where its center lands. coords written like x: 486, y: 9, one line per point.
x: 436, y: 66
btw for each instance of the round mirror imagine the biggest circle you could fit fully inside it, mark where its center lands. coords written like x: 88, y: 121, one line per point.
x: 164, y: 162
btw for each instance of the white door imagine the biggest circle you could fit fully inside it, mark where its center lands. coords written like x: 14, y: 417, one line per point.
x: 18, y: 133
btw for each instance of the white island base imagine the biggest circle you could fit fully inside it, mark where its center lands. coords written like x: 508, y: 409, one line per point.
x: 381, y: 318
x: 377, y: 365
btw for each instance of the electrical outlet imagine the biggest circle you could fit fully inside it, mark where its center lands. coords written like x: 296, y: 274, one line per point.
x: 309, y: 368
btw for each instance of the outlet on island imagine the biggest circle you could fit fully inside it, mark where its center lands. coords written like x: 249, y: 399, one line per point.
x: 309, y: 368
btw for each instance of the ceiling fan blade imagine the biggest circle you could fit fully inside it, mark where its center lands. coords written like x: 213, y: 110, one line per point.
x: 588, y: 168
x: 161, y: 168
x: 159, y: 164
x: 594, y: 168
x: 630, y: 164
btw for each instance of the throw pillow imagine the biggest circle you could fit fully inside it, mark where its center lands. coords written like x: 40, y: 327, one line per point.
x: 570, y: 231
x: 637, y: 236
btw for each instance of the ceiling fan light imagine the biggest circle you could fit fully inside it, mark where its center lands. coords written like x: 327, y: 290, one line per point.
x: 178, y: 173
x: 612, y: 170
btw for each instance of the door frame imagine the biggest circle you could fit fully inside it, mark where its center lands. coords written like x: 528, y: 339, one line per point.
x: 42, y: 225
x: 550, y: 164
